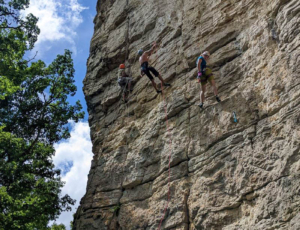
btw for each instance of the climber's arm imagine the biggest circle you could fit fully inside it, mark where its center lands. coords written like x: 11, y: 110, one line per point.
x: 199, y: 65
x: 142, y: 73
x: 149, y: 52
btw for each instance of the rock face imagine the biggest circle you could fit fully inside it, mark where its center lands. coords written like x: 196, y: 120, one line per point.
x: 223, y: 174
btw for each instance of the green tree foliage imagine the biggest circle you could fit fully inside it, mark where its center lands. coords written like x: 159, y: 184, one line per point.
x: 17, y: 35
x: 39, y: 111
x: 10, y: 20
x: 34, y: 113
x: 72, y: 223
x: 30, y: 187
x: 58, y: 227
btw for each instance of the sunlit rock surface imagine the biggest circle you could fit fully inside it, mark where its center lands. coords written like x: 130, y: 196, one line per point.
x: 224, y: 174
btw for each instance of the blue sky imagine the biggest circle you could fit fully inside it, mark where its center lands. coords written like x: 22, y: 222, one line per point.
x: 65, y: 24
x: 68, y: 24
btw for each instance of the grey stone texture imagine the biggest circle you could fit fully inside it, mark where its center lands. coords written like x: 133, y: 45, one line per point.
x: 224, y: 174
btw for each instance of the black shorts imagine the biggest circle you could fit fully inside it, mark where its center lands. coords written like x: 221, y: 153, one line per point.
x: 146, y: 69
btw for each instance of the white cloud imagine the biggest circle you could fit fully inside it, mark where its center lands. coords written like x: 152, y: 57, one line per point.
x: 75, y: 157
x: 58, y: 21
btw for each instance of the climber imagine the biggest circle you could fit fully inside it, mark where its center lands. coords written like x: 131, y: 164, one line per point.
x: 124, y: 82
x: 205, y: 75
x: 145, y: 68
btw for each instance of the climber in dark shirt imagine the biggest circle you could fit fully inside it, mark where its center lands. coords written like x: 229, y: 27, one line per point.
x: 125, y: 82
x: 146, y: 69
x: 205, y: 75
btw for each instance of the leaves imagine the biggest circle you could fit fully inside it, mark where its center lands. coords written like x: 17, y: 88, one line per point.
x: 17, y: 35
x: 40, y: 111
x: 10, y: 20
x: 34, y: 113
x: 30, y: 185
x: 58, y: 227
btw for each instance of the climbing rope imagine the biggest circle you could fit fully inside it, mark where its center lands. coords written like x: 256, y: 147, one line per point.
x: 199, y: 80
x: 166, y: 119
x: 170, y: 154
x: 168, y: 135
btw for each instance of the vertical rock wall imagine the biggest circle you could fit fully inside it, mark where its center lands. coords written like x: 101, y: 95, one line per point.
x: 224, y: 175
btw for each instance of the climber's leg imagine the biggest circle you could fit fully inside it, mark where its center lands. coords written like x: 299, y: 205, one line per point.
x: 152, y: 81
x: 213, y: 84
x: 146, y: 70
x: 124, y: 94
x: 130, y: 85
x: 163, y: 82
x: 161, y: 79
x: 202, y: 94
x: 155, y: 86
x: 156, y: 74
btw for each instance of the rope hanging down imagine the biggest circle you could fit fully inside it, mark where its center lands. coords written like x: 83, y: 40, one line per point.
x: 166, y: 119
x: 170, y: 154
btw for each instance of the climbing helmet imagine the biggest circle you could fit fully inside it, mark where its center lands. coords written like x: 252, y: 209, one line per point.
x: 206, y: 53
x: 140, y: 52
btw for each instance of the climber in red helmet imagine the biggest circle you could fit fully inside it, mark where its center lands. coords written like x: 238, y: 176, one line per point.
x: 124, y: 82
x: 205, y: 75
x: 146, y: 69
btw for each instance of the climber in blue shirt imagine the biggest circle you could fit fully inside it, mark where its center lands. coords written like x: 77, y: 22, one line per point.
x: 204, y: 75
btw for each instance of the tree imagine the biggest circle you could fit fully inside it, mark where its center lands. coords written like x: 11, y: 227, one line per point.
x: 32, y: 122
x: 38, y: 115
x: 30, y: 191
x: 10, y: 20
x: 34, y: 113
x: 17, y: 35
x: 72, y: 223
x: 58, y: 227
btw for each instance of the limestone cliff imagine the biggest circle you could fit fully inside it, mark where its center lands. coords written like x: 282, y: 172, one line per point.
x: 224, y: 174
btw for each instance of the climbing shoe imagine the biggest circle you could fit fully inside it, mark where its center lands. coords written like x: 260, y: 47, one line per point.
x: 218, y: 99
x: 201, y: 105
x: 167, y: 84
x: 158, y: 91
